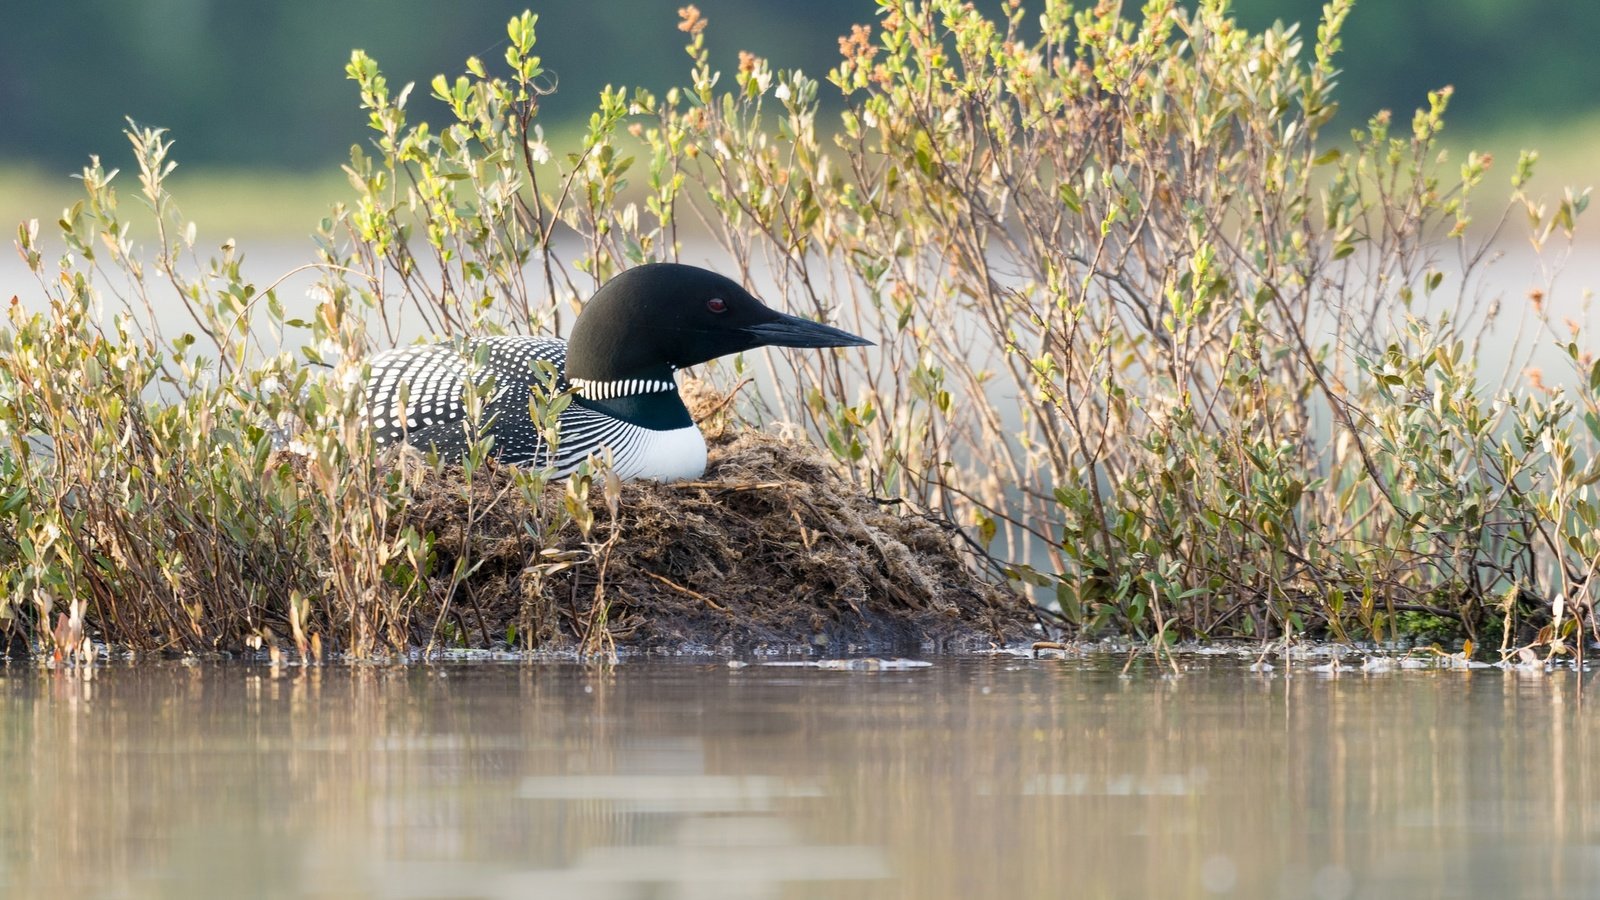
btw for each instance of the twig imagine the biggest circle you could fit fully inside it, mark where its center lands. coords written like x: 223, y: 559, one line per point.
x: 692, y: 593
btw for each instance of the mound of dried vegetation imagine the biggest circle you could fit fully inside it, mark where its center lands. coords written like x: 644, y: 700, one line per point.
x: 771, y: 548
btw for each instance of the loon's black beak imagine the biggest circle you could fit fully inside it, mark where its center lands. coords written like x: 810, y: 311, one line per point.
x: 793, y: 331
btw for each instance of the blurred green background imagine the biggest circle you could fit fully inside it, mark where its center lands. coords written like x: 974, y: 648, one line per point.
x: 255, y: 93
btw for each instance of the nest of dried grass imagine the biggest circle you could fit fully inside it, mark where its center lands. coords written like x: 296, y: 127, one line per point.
x: 771, y: 548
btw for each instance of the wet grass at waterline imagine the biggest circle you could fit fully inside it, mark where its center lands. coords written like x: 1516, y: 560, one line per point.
x: 1184, y: 365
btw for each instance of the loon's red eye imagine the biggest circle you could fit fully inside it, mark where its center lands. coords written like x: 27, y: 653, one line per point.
x: 717, y: 305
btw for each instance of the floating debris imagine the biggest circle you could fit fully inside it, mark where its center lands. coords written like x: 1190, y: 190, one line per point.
x: 1040, y: 648
x: 872, y: 664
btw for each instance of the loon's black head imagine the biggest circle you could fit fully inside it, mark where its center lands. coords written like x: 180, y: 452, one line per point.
x: 663, y: 316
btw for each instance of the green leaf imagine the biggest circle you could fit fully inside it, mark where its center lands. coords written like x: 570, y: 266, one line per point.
x: 1069, y: 196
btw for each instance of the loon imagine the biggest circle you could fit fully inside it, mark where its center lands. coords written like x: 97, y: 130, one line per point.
x: 630, y: 338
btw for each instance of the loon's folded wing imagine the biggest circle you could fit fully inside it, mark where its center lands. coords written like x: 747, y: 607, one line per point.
x: 416, y: 395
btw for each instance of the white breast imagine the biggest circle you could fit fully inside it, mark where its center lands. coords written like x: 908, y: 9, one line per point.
x: 659, y: 455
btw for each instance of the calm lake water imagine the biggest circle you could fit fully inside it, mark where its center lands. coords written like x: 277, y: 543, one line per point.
x: 998, y: 777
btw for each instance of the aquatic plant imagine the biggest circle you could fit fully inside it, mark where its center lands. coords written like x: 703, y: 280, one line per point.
x: 1169, y: 356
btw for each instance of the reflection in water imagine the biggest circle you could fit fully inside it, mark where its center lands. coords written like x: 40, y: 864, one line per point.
x: 1000, y: 777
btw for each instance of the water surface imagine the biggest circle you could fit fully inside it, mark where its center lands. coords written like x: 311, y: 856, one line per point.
x: 970, y: 777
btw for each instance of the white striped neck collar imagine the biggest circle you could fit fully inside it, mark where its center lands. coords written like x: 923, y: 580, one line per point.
x: 595, y: 389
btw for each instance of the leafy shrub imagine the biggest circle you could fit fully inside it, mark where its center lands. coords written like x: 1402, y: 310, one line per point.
x: 1168, y: 354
